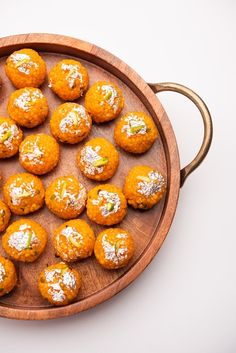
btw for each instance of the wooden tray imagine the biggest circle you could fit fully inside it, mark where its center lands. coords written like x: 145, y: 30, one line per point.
x: 149, y: 228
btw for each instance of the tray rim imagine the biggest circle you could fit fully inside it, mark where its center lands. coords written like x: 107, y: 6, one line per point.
x: 72, y: 46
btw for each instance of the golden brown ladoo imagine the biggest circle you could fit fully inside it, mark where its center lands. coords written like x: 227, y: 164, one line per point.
x: 59, y: 284
x: 10, y: 137
x: 39, y: 153
x: 106, y: 204
x: 74, y: 240
x: 114, y: 248
x: 98, y: 159
x: 24, y: 240
x: 8, y: 277
x: 66, y: 197
x: 104, y: 101
x: 135, y: 132
x: 25, y: 68
x: 68, y: 79
x: 28, y: 107
x: 5, y: 215
x: 144, y: 187
x: 70, y: 123
x: 23, y: 193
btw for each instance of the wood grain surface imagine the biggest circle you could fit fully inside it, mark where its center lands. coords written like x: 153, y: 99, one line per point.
x: 148, y: 228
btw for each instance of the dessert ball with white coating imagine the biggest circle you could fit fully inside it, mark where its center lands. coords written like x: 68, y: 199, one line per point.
x: 135, y: 132
x: 24, y: 240
x: 98, y: 159
x: 8, y: 276
x: 59, y: 284
x: 5, y: 215
x: 28, y: 107
x: 74, y: 240
x: 144, y: 187
x: 106, y: 204
x: 25, y: 68
x: 39, y: 153
x: 23, y: 193
x: 70, y: 123
x: 114, y: 248
x: 66, y: 197
x: 104, y: 101
x: 68, y: 79
x: 10, y: 137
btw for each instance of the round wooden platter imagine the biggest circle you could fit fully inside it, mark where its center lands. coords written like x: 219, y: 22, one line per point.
x: 149, y: 228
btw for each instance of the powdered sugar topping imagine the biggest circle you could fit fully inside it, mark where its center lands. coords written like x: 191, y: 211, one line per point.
x: 89, y: 156
x: 32, y: 152
x: 57, y: 279
x: 135, y: 125
x: 2, y: 272
x: 115, y: 253
x: 73, y: 120
x: 110, y: 94
x: 18, y: 192
x: 8, y: 133
x: 24, y: 238
x: 151, y: 184
x: 71, y: 232
x: 27, y: 99
x: 109, y: 202
x: 73, y: 74
x: 74, y: 199
x: 23, y: 62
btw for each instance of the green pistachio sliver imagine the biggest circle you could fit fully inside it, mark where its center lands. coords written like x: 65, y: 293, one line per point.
x: 110, y: 206
x: 143, y: 178
x: 62, y: 191
x: 100, y: 162
x: 20, y: 62
x: 71, y: 72
x: 117, y: 245
x: 53, y: 197
x: 136, y: 129
x: 32, y: 149
x: 63, y: 270
x: 75, y: 122
x: 108, y: 95
x: 29, y: 239
x: 6, y: 136
x: 2, y: 213
x: 76, y: 243
x: 25, y: 193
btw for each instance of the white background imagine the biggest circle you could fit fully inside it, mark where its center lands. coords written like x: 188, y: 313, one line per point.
x: 185, y: 301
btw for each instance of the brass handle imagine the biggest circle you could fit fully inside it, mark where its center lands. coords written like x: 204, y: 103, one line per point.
x: 206, y: 117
